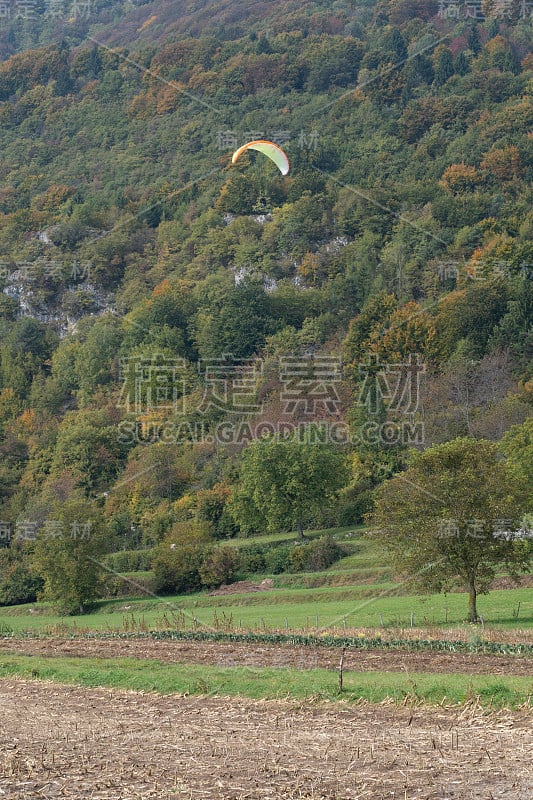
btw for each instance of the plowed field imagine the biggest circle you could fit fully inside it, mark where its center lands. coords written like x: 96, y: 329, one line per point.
x: 234, y: 654
x: 68, y: 742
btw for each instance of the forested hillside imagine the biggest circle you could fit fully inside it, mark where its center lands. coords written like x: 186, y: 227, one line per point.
x: 163, y: 308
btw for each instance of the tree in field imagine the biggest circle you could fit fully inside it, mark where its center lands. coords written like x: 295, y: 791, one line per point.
x: 443, y: 520
x: 284, y: 483
x: 67, y: 555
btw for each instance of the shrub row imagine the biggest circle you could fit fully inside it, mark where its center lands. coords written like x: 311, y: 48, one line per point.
x: 129, y: 560
x: 189, y: 566
x: 128, y: 585
x: 313, y: 556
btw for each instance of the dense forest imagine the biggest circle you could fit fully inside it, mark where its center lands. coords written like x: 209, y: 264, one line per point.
x: 162, y: 309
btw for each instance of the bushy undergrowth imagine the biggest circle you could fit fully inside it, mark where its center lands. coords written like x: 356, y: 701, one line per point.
x: 130, y: 560
x: 189, y: 567
x: 18, y: 584
x: 310, y: 556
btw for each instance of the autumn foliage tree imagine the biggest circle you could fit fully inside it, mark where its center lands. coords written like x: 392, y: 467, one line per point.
x: 503, y: 163
x: 460, y: 178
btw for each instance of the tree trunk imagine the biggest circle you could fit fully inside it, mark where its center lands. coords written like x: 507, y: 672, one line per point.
x: 300, y: 529
x: 472, y: 597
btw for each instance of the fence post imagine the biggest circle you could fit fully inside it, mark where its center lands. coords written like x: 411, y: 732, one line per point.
x: 341, y: 665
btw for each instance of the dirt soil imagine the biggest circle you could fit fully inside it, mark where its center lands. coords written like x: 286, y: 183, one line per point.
x: 69, y: 742
x: 265, y: 655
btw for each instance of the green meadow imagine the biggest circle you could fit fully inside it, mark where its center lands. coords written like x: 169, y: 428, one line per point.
x: 272, y: 683
x: 331, y: 608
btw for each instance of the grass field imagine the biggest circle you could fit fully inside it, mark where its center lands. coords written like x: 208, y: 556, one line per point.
x: 272, y: 683
x: 367, y: 597
x: 294, y: 609
x: 281, y: 538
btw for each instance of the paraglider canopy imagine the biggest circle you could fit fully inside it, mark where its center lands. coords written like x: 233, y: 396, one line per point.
x: 273, y: 151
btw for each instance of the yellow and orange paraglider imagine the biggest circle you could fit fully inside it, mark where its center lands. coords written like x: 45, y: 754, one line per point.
x: 273, y: 151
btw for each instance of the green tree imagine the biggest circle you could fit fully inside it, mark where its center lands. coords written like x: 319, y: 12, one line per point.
x: 374, y: 317
x: 461, y: 64
x: 440, y: 519
x: 88, y: 446
x: 471, y: 314
x: 68, y: 554
x: 179, y: 557
x: 295, y: 227
x: 515, y: 329
x: 333, y: 62
x: 25, y: 349
x: 394, y: 44
x: 517, y: 444
x: 95, y: 359
x: 473, y: 41
x: 444, y: 69
x: 18, y: 584
x: 219, y: 566
x: 211, y: 507
x: 283, y: 483
x: 240, y: 324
